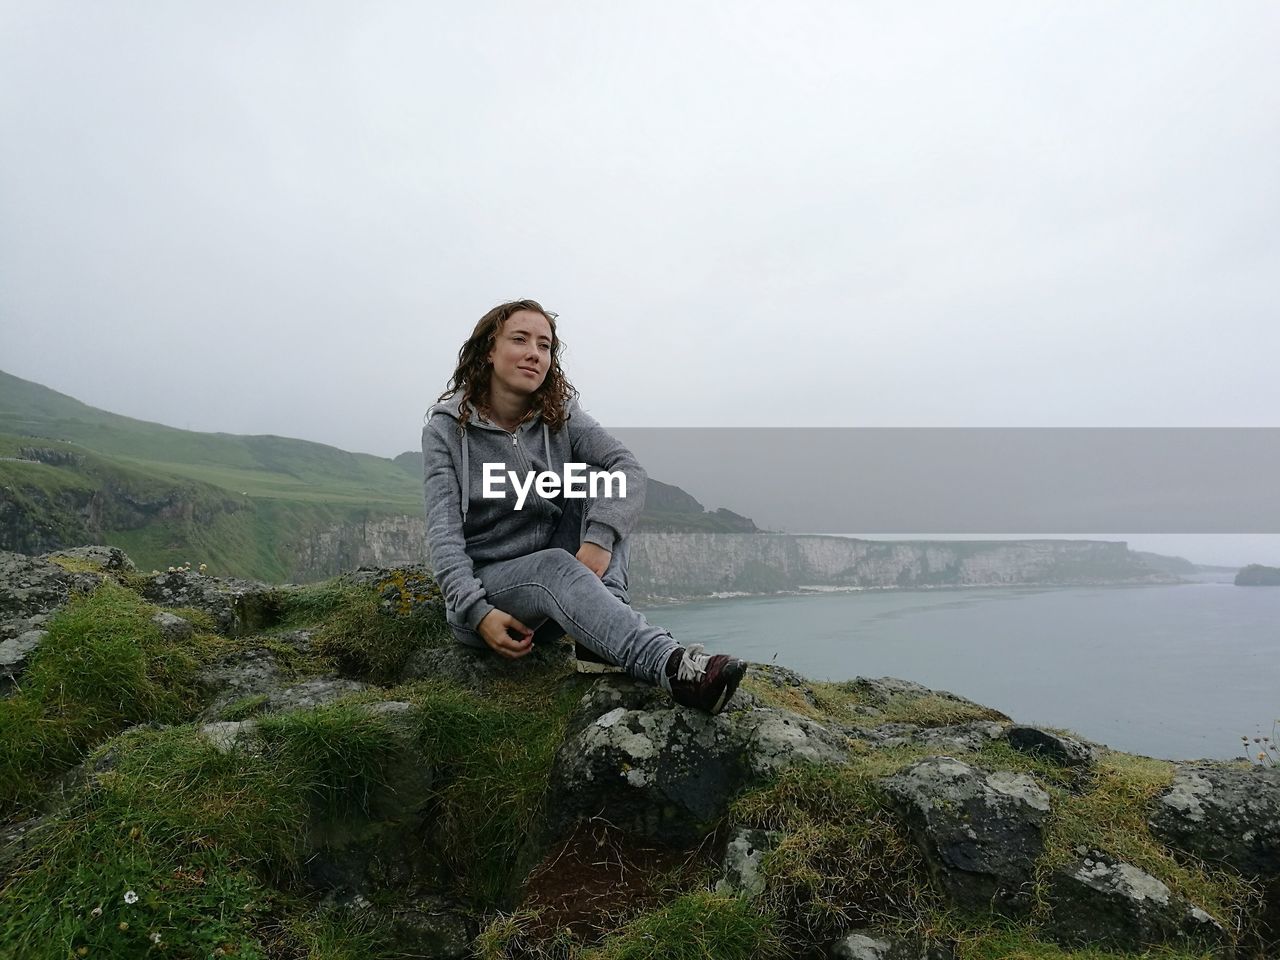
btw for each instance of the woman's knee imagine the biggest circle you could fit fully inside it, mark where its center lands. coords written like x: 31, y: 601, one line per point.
x: 559, y: 562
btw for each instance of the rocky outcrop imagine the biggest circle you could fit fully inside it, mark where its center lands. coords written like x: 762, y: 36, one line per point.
x: 344, y: 856
x: 744, y: 862
x: 14, y: 655
x: 98, y: 559
x: 1099, y: 900
x: 875, y: 945
x: 478, y: 669
x: 31, y: 588
x: 252, y: 681
x: 236, y: 606
x: 1175, y: 566
x: 981, y: 833
x: 1223, y: 814
x: 662, y: 770
x: 663, y: 775
x: 1256, y: 575
x: 1059, y: 748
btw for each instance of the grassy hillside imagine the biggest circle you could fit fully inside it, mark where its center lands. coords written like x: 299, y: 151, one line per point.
x: 158, y: 515
x: 258, y: 466
x: 71, y: 473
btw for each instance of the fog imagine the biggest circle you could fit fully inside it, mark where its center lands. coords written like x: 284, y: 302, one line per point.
x: 286, y: 218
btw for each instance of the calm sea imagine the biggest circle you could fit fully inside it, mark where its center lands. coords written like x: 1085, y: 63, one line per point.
x: 1178, y: 672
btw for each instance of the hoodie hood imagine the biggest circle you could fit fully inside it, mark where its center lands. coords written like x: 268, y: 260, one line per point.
x: 452, y: 405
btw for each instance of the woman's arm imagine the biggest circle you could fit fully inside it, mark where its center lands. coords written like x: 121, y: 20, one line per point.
x: 609, y: 519
x: 446, y: 543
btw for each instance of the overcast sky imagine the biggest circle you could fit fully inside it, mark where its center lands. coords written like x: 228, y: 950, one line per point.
x: 285, y: 218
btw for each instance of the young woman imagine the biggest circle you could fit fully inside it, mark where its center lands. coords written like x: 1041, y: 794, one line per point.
x: 513, y: 573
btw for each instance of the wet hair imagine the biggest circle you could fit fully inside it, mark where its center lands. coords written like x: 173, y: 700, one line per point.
x: 473, y: 371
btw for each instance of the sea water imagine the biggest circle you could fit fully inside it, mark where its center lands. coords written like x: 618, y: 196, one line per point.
x: 1178, y: 671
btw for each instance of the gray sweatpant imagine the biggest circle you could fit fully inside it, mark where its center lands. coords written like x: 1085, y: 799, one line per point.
x: 552, y: 593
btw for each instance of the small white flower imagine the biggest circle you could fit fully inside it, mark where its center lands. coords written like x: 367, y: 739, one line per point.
x: 95, y: 912
x: 130, y: 897
x: 155, y: 938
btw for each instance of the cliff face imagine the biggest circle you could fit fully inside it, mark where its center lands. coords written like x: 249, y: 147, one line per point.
x: 371, y: 542
x: 698, y: 564
x: 676, y: 564
x: 312, y: 546
x: 36, y: 521
x: 51, y: 499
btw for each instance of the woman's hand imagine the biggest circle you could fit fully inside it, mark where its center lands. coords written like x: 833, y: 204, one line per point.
x: 595, y: 558
x: 496, y: 629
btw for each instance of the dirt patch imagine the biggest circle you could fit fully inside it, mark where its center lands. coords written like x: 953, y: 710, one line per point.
x: 600, y: 875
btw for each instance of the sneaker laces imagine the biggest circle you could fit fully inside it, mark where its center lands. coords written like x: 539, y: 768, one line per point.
x: 693, y: 664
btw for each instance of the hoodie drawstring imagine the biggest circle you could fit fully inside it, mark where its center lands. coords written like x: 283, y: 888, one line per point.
x: 466, y: 477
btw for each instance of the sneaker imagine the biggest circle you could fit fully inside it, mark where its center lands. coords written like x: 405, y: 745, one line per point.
x: 587, y: 660
x: 703, y: 681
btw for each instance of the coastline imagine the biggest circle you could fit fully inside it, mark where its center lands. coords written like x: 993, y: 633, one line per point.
x: 661, y: 600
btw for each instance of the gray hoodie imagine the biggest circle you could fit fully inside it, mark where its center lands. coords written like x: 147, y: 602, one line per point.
x: 466, y: 532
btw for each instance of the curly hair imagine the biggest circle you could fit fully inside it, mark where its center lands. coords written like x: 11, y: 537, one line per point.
x: 472, y: 374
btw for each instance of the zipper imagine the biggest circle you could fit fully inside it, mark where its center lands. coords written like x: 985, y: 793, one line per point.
x: 534, y: 501
x: 524, y: 461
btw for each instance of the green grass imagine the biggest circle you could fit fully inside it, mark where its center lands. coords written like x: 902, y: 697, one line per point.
x: 212, y: 842
x: 975, y: 940
x: 836, y: 701
x: 103, y: 666
x: 198, y: 833
x: 309, y: 605
x: 998, y: 755
x: 189, y: 513
x: 264, y: 466
x: 404, y: 496
x: 336, y: 754
x: 843, y: 859
x: 366, y: 633
x: 166, y: 495
x: 205, y: 839
x: 696, y: 926
x: 1110, y: 814
x: 492, y: 755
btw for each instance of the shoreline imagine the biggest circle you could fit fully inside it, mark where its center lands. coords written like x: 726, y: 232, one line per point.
x: 814, y: 590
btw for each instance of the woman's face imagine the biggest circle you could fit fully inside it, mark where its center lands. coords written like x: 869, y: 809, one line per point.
x: 521, y: 354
